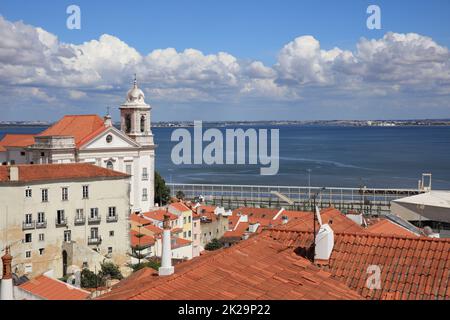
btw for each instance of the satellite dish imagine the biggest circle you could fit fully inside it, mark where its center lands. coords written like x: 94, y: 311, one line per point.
x: 319, y: 218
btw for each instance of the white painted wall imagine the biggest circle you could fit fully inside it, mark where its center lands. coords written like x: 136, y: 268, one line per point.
x: 102, y: 195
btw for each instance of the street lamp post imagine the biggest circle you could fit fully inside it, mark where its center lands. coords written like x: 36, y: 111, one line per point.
x: 314, y: 220
x: 309, y: 183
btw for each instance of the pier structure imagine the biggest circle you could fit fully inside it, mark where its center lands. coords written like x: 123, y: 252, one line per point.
x: 374, y: 201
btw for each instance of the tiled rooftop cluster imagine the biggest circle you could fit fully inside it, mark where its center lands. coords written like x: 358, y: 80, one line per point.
x: 276, y: 264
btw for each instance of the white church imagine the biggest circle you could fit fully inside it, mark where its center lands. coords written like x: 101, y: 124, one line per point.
x: 91, y: 139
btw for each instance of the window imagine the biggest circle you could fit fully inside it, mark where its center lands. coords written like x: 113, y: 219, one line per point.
x: 109, y: 138
x: 28, y: 193
x: 128, y: 169
x: 41, y: 251
x: 94, y: 213
x: 110, y: 249
x: 79, y: 214
x: 22, y: 153
x: 13, y: 161
x: 65, y: 193
x: 94, y: 233
x: 110, y: 165
x: 67, y: 236
x: 128, y: 123
x: 28, y: 218
x: 189, y: 234
x: 44, y: 195
x: 42, y: 154
x: 111, y: 233
x: 60, y: 217
x: 184, y: 234
x: 195, y: 237
x: 85, y: 192
x: 144, y: 174
x: 195, y: 224
x: 41, y: 237
x: 28, y: 254
x: 143, y: 123
x: 144, y: 194
x: 41, y: 217
x: 28, y: 238
x: 111, y: 212
x: 189, y: 219
x: 184, y: 220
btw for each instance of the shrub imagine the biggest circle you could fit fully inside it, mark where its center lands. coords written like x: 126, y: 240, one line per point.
x: 213, y: 245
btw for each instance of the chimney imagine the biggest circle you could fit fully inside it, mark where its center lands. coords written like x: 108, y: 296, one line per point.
x: 13, y: 173
x: 324, y: 243
x: 6, y: 290
x: 107, y: 121
x: 166, y: 268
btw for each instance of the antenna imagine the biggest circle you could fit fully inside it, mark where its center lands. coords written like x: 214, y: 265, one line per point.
x: 319, y: 218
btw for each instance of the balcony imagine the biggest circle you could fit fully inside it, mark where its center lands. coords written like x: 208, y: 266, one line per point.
x: 94, y: 241
x: 79, y: 221
x: 60, y: 222
x: 28, y: 225
x: 41, y: 224
x: 111, y: 218
x: 94, y: 220
x: 144, y: 177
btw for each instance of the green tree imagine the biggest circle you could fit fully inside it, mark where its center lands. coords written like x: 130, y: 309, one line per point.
x: 162, y: 192
x: 180, y: 195
x: 90, y: 280
x: 152, y: 263
x: 110, y: 270
x: 213, y: 245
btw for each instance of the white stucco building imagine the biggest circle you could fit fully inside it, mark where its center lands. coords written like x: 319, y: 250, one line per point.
x: 58, y: 215
x: 91, y: 139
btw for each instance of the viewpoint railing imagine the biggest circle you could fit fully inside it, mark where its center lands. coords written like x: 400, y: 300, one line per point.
x: 367, y: 200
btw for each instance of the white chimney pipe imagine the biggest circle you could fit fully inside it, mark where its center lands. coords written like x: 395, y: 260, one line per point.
x: 324, y: 243
x: 13, y: 173
x: 166, y: 268
x: 6, y: 287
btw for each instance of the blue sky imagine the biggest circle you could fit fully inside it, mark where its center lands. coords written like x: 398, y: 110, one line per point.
x: 248, y: 31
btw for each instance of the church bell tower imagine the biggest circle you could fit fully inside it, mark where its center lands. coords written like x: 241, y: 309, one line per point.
x: 135, y: 116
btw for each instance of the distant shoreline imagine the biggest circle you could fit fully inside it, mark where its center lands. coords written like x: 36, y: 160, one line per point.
x: 342, y: 123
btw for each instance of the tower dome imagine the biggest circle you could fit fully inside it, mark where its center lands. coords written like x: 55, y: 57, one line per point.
x: 135, y: 94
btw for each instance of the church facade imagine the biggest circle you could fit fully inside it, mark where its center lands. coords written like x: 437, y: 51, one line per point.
x: 92, y: 139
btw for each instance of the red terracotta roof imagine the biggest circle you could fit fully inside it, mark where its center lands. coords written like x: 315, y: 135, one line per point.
x: 269, y: 217
x: 143, y: 241
x: 43, y: 172
x: 17, y: 140
x: 339, y: 222
x: 138, y: 219
x: 238, y: 232
x: 145, y: 224
x: 159, y: 215
x: 180, y: 242
x: 388, y: 227
x: 264, y: 213
x: 205, y: 209
x: 52, y: 289
x: 258, y: 268
x: 413, y: 268
x: 180, y: 206
x: 81, y: 127
x: 232, y: 221
x: 2, y: 149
